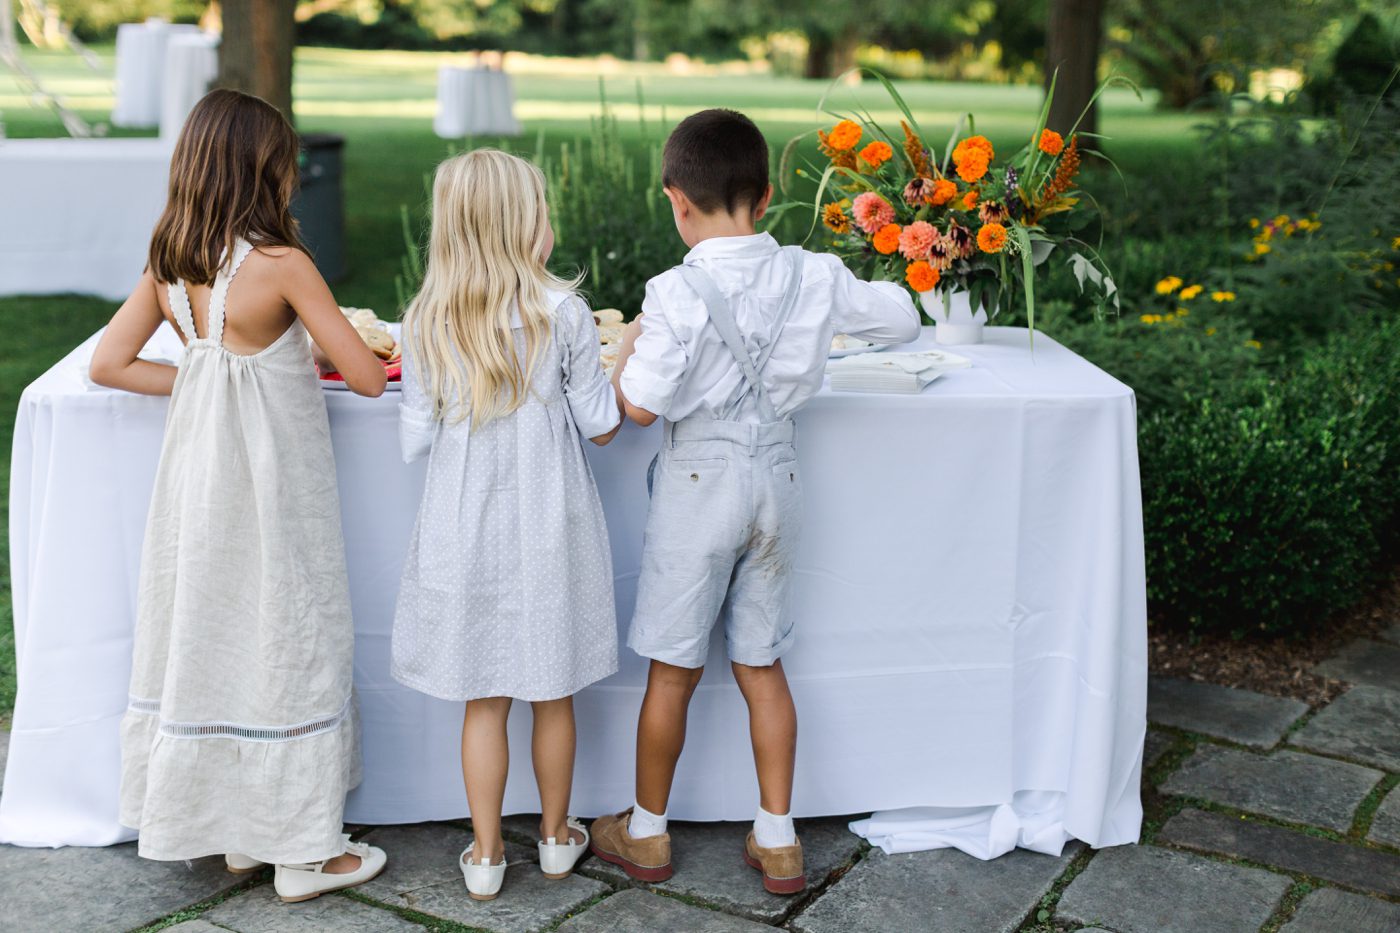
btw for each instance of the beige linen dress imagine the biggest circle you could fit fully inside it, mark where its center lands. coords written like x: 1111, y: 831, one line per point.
x: 241, y: 733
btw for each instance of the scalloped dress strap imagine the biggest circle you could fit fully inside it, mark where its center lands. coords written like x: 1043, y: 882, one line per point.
x: 218, y: 296
x: 180, y: 308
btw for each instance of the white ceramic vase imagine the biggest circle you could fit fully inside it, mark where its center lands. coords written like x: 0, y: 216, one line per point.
x: 954, y: 322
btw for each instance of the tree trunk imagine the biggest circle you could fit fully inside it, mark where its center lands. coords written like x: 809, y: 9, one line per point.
x: 255, y: 55
x: 819, y: 46
x: 1074, y: 35
x: 843, y: 51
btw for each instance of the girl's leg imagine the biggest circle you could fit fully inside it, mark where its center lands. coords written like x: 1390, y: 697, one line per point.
x: 661, y: 731
x: 553, y: 751
x: 485, y: 760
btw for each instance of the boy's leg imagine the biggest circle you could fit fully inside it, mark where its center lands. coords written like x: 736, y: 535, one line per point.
x: 485, y: 760
x: 661, y: 731
x: 553, y: 751
x: 773, y: 731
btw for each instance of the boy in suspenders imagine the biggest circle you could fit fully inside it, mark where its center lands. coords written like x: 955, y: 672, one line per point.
x: 730, y: 344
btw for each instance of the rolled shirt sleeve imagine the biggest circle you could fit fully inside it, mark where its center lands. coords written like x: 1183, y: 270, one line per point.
x: 417, y: 425
x: 658, y: 362
x: 881, y: 312
x: 592, y: 401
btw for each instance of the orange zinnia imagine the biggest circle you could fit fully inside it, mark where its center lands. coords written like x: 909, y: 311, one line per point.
x: 969, y: 200
x: 943, y: 192
x: 991, y: 238
x: 886, y: 239
x: 981, y: 143
x: 1051, y: 143
x: 877, y: 153
x: 844, y: 135
x: 921, y: 276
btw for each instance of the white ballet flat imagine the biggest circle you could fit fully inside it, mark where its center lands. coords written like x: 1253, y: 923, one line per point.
x: 295, y: 883
x: 241, y: 864
x: 558, y: 860
x: 483, y: 879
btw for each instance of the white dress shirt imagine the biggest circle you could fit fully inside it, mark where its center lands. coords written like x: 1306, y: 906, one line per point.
x: 682, y: 367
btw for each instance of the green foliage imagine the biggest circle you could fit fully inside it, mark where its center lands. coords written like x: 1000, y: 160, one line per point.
x: 609, y: 214
x: 1267, y: 500
x: 92, y: 20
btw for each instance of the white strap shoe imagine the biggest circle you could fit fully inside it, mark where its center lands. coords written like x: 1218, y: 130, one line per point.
x: 303, y: 882
x: 241, y: 864
x: 483, y: 878
x: 558, y: 860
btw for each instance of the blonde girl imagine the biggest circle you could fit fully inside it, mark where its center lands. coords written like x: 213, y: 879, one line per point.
x: 241, y: 737
x: 507, y: 589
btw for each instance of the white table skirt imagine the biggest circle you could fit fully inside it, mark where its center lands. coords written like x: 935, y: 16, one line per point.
x: 474, y: 102
x: 141, y: 70
x: 78, y: 213
x: 969, y: 595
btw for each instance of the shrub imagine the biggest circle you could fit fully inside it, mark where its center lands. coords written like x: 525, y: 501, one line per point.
x: 1167, y: 361
x: 1266, y: 500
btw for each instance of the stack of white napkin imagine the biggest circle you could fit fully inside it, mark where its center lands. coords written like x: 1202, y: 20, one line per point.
x: 898, y: 373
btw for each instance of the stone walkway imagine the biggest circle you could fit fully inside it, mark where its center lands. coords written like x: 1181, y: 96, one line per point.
x: 1262, y: 815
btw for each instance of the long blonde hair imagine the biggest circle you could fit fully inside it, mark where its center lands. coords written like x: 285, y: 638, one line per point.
x: 485, y: 263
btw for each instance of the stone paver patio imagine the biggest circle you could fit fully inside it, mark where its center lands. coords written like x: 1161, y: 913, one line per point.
x: 1261, y: 816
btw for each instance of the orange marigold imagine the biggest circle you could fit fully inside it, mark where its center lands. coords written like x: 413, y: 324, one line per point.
x: 886, y: 239
x: 836, y: 219
x: 921, y: 276
x: 969, y: 200
x: 1051, y: 143
x: 844, y: 135
x: 991, y: 238
x: 877, y: 153
x: 973, y: 165
x: 943, y: 192
x: 980, y: 143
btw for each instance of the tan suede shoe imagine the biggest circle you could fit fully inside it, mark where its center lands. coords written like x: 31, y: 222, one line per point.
x: 781, y: 866
x: 646, y: 859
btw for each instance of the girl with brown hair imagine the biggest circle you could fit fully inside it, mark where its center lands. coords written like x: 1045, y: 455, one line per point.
x: 241, y: 736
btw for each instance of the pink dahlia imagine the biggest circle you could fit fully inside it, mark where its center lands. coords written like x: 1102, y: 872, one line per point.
x: 915, y: 240
x: 872, y: 212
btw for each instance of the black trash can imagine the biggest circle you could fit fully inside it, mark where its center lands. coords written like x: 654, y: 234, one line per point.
x: 320, y: 205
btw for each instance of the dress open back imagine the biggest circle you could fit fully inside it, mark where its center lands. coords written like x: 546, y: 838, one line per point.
x: 241, y: 733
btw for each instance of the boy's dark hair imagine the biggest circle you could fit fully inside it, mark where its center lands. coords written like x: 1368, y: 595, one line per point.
x: 718, y: 158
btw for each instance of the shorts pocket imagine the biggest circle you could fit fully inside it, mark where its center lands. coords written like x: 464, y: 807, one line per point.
x: 787, y: 470
x: 697, y: 472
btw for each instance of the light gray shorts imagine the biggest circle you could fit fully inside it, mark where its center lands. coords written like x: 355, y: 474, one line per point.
x: 725, y: 518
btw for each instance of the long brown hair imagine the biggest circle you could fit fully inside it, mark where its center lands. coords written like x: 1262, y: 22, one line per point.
x: 233, y: 174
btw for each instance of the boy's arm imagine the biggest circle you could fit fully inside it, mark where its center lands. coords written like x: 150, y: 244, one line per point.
x: 881, y: 312
x: 624, y: 353
x: 116, y: 363
x: 650, y: 363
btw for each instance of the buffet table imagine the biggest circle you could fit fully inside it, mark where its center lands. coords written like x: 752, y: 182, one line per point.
x: 78, y: 213
x: 970, y: 604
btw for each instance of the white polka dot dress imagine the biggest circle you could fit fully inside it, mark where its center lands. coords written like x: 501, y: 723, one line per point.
x: 507, y: 588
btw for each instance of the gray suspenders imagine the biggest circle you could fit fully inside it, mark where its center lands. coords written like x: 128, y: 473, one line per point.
x: 722, y: 316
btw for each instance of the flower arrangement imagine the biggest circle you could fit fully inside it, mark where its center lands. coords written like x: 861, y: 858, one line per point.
x: 970, y: 221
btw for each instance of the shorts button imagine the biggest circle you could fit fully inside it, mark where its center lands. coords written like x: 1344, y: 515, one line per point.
x: 695, y: 477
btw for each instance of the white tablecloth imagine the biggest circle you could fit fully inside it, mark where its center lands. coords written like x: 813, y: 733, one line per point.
x: 141, y: 69
x: 969, y: 596
x: 76, y: 214
x: 474, y: 102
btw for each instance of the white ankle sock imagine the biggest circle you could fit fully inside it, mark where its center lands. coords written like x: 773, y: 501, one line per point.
x: 644, y: 823
x: 771, y: 831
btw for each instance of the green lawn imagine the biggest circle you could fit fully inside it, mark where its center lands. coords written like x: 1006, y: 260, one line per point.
x: 383, y: 103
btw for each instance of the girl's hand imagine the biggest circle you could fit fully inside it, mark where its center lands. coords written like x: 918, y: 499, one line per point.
x: 307, y: 293
x: 115, y: 362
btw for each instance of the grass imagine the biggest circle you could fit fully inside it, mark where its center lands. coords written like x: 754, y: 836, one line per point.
x: 383, y: 103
